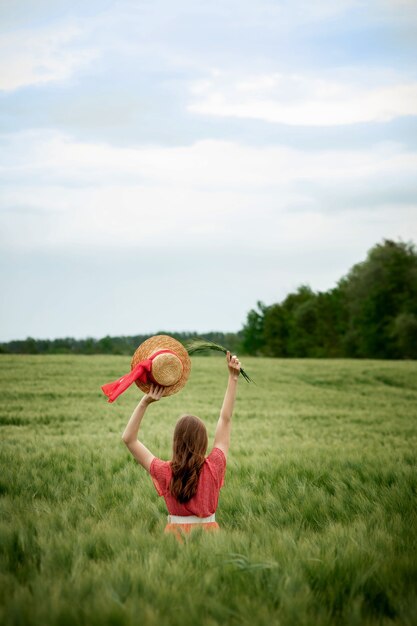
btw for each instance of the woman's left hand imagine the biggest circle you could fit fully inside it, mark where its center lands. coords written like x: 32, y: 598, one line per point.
x: 154, y: 394
x: 233, y: 364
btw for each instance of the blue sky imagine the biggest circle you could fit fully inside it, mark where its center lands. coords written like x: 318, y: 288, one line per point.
x: 164, y: 165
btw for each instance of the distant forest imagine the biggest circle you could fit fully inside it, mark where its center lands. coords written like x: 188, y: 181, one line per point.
x: 109, y: 345
x: 371, y: 313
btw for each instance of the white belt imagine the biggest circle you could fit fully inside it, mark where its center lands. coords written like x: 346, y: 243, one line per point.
x: 190, y: 519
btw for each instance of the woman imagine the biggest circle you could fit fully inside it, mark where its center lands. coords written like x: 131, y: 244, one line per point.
x: 190, y: 482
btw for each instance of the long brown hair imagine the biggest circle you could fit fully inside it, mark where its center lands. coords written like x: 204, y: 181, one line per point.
x: 188, y: 454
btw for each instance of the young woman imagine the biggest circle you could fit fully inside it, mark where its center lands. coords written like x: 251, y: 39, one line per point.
x: 190, y: 482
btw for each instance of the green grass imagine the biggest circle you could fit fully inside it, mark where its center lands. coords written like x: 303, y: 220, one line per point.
x: 318, y: 513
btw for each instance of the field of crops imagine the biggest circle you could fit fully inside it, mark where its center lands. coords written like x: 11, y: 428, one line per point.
x: 318, y: 512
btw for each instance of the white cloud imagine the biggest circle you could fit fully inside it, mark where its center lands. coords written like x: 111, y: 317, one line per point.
x: 34, y: 56
x: 64, y: 193
x: 302, y: 100
x: 52, y: 158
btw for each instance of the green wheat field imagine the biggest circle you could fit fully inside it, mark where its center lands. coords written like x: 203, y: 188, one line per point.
x: 318, y: 513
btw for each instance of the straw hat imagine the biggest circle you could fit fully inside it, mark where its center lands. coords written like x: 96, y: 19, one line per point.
x: 169, y: 369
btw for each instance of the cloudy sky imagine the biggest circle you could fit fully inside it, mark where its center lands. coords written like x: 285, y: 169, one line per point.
x: 164, y: 165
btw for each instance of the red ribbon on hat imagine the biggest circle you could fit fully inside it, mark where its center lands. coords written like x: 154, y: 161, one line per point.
x: 142, y: 371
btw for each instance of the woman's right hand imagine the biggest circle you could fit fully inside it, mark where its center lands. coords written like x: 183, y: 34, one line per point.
x: 233, y: 364
x: 154, y: 394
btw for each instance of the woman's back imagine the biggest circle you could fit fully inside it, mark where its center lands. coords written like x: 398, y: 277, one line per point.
x: 210, y: 481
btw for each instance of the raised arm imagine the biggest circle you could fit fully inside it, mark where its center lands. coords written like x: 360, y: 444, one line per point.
x: 224, y: 425
x: 130, y: 435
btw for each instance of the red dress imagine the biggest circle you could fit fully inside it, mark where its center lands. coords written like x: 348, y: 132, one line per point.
x: 204, y: 502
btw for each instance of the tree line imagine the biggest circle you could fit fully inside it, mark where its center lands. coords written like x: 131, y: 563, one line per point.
x: 371, y: 313
x: 108, y: 345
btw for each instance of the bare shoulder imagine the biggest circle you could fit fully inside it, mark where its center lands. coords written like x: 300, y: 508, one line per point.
x: 141, y: 453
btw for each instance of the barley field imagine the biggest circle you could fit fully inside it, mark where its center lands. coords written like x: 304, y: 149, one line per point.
x: 318, y: 512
